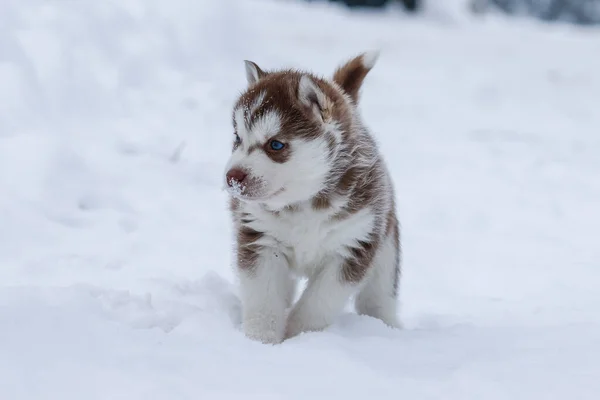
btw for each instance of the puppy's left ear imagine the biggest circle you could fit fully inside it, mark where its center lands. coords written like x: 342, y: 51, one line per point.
x: 313, y: 97
x: 253, y: 72
x: 351, y: 75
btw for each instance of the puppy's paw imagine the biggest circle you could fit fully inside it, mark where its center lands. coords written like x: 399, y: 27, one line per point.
x: 298, y: 323
x: 264, y: 329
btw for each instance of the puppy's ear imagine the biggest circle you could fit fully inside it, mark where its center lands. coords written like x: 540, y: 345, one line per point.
x: 313, y: 97
x: 351, y: 75
x: 253, y: 72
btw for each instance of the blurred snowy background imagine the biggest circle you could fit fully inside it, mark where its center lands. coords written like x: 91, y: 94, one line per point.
x: 115, y: 253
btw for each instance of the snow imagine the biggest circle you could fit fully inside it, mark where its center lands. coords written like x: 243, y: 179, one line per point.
x: 115, y: 242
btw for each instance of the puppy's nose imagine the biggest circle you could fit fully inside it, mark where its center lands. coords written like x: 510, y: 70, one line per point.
x: 235, y: 176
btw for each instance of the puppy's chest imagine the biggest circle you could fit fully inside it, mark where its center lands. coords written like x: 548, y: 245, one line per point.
x: 309, y: 238
x: 304, y: 236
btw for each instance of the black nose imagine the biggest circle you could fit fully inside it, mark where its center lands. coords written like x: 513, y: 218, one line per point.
x: 235, y: 176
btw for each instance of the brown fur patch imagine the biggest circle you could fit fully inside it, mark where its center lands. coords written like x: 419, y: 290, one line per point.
x: 253, y: 148
x: 321, y: 202
x: 355, y: 268
x: 246, y: 248
x: 247, y: 252
x: 351, y: 75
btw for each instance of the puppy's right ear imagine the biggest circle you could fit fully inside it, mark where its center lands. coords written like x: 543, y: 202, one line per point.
x: 253, y: 72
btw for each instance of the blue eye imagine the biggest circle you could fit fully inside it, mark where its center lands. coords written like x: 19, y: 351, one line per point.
x: 237, y: 138
x: 276, y: 145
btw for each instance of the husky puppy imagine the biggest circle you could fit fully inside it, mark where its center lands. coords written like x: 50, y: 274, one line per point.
x: 311, y: 197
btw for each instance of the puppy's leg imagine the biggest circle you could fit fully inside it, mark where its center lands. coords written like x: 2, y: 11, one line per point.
x: 324, y: 297
x: 265, y: 290
x: 378, y: 297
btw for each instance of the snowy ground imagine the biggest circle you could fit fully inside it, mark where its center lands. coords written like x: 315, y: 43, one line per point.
x: 115, y: 264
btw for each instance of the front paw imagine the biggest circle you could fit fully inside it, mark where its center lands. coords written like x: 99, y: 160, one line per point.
x: 298, y: 323
x: 264, y: 329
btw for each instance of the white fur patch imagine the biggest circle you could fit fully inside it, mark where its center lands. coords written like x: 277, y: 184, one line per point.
x: 257, y: 102
x: 308, y: 92
x: 311, y: 235
x: 265, y: 126
x: 302, y: 176
x: 251, y: 72
x: 376, y: 298
x: 240, y: 122
x: 266, y: 177
x: 262, y: 129
x: 322, y: 300
x: 369, y: 59
x: 265, y: 293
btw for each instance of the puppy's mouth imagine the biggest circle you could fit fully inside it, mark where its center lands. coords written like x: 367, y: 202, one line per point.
x: 251, y: 193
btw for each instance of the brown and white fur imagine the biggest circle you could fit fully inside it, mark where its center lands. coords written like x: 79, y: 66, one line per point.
x: 321, y: 207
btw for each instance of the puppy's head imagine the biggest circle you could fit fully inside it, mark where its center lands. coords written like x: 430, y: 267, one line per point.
x: 289, y: 128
